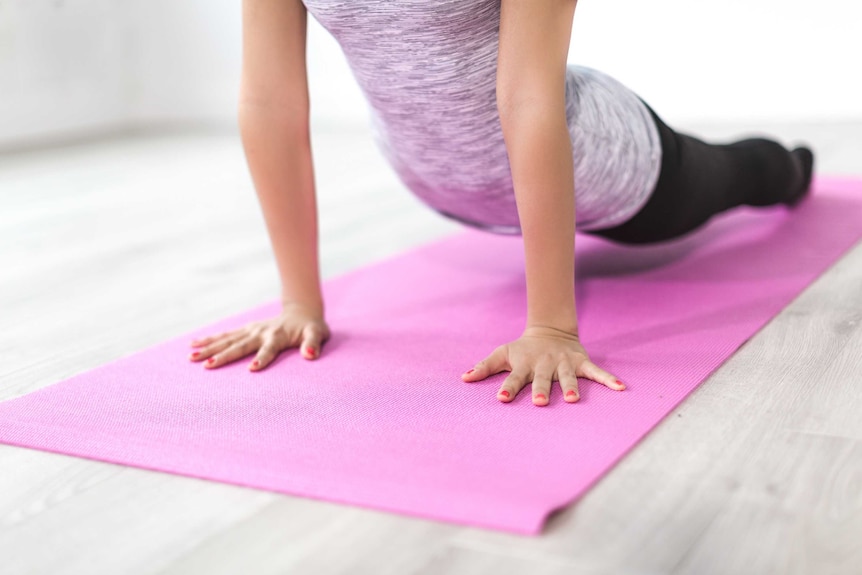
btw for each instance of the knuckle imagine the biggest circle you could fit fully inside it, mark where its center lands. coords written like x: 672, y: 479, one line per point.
x: 264, y: 350
x: 543, y: 377
x: 563, y: 369
x: 289, y: 335
x: 517, y: 376
x: 271, y: 334
x: 314, y: 329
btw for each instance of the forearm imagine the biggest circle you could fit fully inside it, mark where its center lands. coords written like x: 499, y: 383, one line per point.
x: 278, y: 151
x: 540, y: 157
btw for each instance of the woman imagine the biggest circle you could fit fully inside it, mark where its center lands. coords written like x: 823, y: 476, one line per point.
x: 476, y: 109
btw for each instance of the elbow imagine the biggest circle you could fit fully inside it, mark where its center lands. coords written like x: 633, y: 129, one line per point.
x: 510, y: 94
x: 279, y: 103
x: 259, y: 116
x: 511, y: 100
x: 283, y: 111
x: 515, y: 104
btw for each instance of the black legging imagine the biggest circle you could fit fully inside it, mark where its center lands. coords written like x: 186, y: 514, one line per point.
x: 698, y: 180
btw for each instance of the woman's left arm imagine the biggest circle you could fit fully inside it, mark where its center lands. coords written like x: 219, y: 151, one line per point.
x: 531, y: 74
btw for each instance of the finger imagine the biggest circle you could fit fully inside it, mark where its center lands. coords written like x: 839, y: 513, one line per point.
x: 513, y: 383
x: 200, y: 342
x: 542, y: 387
x: 594, y: 372
x: 212, y: 348
x: 496, y: 362
x: 568, y: 383
x: 266, y: 354
x: 237, y: 350
x: 313, y: 337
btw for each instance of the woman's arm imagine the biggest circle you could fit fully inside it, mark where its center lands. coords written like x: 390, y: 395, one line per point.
x: 274, y: 125
x: 531, y: 74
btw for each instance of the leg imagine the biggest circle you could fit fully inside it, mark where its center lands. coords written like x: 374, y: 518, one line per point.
x: 699, y: 180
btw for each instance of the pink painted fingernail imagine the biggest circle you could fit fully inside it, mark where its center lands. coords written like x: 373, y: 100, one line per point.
x: 540, y: 396
x: 255, y: 363
x: 469, y: 372
x: 570, y: 393
x: 504, y: 393
x: 309, y: 351
x: 196, y: 354
x: 620, y: 383
x: 211, y: 360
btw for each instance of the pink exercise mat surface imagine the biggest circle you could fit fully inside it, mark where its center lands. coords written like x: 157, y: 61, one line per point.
x: 382, y: 418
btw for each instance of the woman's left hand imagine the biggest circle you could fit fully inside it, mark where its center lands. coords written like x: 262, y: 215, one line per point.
x: 542, y: 355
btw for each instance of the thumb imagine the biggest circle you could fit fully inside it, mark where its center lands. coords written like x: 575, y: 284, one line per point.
x: 313, y: 336
x: 496, y: 362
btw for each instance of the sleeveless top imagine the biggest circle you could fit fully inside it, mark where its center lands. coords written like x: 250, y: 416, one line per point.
x: 428, y: 71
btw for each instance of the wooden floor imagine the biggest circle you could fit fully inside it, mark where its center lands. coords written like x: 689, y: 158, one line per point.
x: 113, y: 245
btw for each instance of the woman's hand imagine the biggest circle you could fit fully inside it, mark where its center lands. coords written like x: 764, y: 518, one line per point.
x: 296, y: 326
x: 542, y: 355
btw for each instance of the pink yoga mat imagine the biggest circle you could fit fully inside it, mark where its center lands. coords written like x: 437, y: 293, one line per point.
x: 383, y: 419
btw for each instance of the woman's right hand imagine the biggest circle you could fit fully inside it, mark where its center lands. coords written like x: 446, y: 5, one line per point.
x: 297, y: 325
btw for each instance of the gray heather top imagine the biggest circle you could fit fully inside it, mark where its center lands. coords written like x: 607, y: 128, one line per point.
x: 428, y: 70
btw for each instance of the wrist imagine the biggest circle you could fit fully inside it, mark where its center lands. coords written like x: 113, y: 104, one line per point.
x: 558, y: 326
x: 552, y: 330
x: 561, y: 317
x: 312, y: 306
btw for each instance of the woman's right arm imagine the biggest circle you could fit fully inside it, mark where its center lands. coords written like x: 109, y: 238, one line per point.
x: 274, y: 127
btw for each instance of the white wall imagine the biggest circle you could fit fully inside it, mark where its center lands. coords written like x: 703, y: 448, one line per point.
x: 73, y: 67
x: 184, y: 61
x: 781, y: 60
x: 70, y: 67
x: 738, y: 59
x: 61, y: 67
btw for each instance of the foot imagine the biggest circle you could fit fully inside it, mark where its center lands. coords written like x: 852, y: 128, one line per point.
x: 805, y: 159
